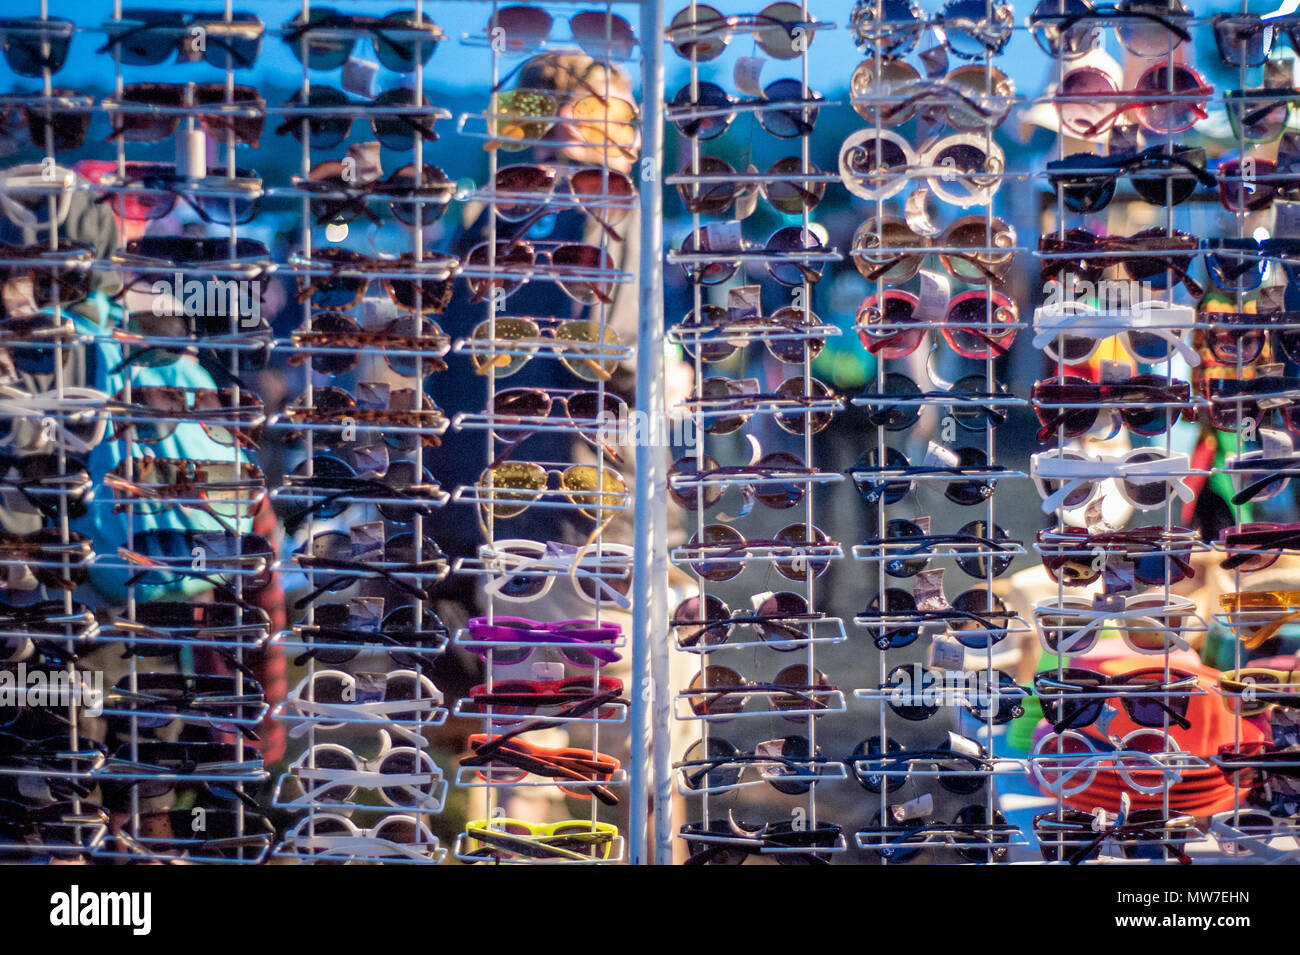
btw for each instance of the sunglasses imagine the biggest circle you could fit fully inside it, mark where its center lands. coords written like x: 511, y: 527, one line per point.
x: 981, y: 550
x: 335, y: 636
x: 508, y: 488
x: 971, y: 834
x: 1262, y: 115
x: 519, y: 118
x: 333, y: 486
x: 1255, y: 762
x: 601, y: 34
x: 717, y: 766
x: 1071, y: 332
x: 151, y: 112
x: 232, y: 418
x: 976, y: 618
x: 795, y: 692
x: 47, y: 620
x: 334, y: 343
x: 701, y: 33
x: 713, y: 333
x: 1167, y: 99
x: 164, y: 627
x: 1075, y: 836
x: 147, y: 36
x: 970, y: 29
x: 777, y: 480
x: 525, y: 570
x: 1240, y: 337
x: 328, y: 838
x: 526, y: 697
x: 526, y: 192
x: 719, y: 552
x: 154, y: 258
x: 968, y: 480
x: 325, y: 116
x: 43, y: 277
x: 915, y: 694
x: 1255, y: 616
x: 406, y: 778
x: 899, y: 403
x: 727, y: 842
x: 502, y: 840
x: 332, y: 699
x: 1073, y: 698
x: 972, y: 249
x: 410, y: 563
x: 785, y: 110
x: 33, y: 46
x: 1149, y: 623
x: 1067, y: 763
x: 505, y: 344
x: 1147, y: 404
x: 963, y: 169
x: 1257, y: 546
x: 591, y: 414
x: 797, y: 406
x: 66, y: 828
x: 585, y: 273
x: 1232, y: 399
x: 1149, y: 555
x: 324, y: 38
x: 513, y: 640
x: 580, y: 773
x: 723, y: 187
x: 794, y: 257
x: 164, y: 556
x: 1146, y: 28
x: 1161, y: 176
x: 972, y: 98
x: 961, y: 767
x: 55, y: 123
x: 1068, y: 480
x: 337, y: 279
x: 156, y: 768
x: 148, y: 192
x: 46, y: 486
x: 225, y: 490
x: 54, y: 561
x: 228, y: 836
x: 978, y: 324
x: 156, y: 699
x: 1246, y: 39
x: 1146, y: 256
x: 782, y: 621
x: 1253, y: 690
x: 335, y: 417
x: 412, y: 195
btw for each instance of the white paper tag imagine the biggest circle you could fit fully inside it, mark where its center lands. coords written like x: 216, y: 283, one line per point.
x: 544, y: 672
x: 745, y: 303
x: 373, y: 395
x: 359, y: 77
x: 935, y: 61
x: 722, y: 236
x: 923, y: 523
x: 932, y: 302
x: 964, y: 745
x: 1114, y: 371
x: 928, y: 590
x: 918, y: 808
x: 368, y: 541
x: 917, y: 212
x: 1286, y: 219
x: 947, y: 654
x: 365, y: 613
x: 937, y: 456
x: 747, y: 195
x: 191, y: 152
x: 747, y: 75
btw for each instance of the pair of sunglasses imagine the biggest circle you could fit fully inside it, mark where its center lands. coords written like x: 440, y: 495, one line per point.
x: 226, y: 490
x: 782, y: 621
x: 785, y: 110
x: 1149, y: 29
x: 335, y: 342
x: 35, y: 46
x: 1073, y: 698
x: 334, y: 636
x: 415, y: 196
x: 501, y: 840
x: 719, y: 552
x: 962, y: 169
x: 45, y: 485
x: 601, y: 34
x: 973, y: 249
x: 1161, y: 176
x: 1146, y: 478
x: 324, y: 38
x: 887, y: 766
x: 585, y: 273
x: 778, y: 480
x: 1146, y: 256
x: 54, y: 561
x: 713, y: 333
x: 513, y: 640
x: 701, y: 33
x: 1167, y: 99
x: 977, y: 324
x: 162, y: 555
x: 796, y: 691
x: 980, y: 549
x: 149, y: 191
x: 976, y: 618
x: 333, y: 485
x: 1257, y: 546
x: 324, y: 117
x: 898, y: 403
x: 972, y: 834
x: 798, y: 405
x: 1232, y: 400
x: 151, y: 112
x: 58, y: 122
x: 787, y: 765
x: 915, y: 693
x: 1240, y: 337
x: 794, y: 257
x: 1150, y: 623
x: 727, y: 842
x: 508, y: 488
x: 969, y: 29
x: 154, y: 700
x: 504, y: 344
x: 1075, y: 836
x: 711, y: 186
x: 525, y: 192
x: 1246, y: 39
x: 337, y: 279
x: 968, y: 481
x: 1151, y: 555
x: 231, y: 418
x: 527, y: 697
x: 581, y: 773
x: 335, y: 418
x: 148, y: 36
x: 1147, y: 404
x: 972, y: 98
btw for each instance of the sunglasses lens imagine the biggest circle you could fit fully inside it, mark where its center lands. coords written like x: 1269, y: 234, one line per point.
x: 509, y: 334
x: 146, y: 41
x: 609, y: 195
x: 793, y: 239
x: 788, y: 492
x: 1165, y: 81
x: 603, y: 35
x: 64, y: 129
x: 685, y: 471
x: 572, y: 261
x: 516, y: 403
x: 1146, y: 36
x: 991, y: 562
x: 508, y: 489
x: 799, y: 538
x: 711, y: 702
x: 971, y: 174
x: 874, y: 770
x: 716, y: 776
x: 896, y: 417
x: 606, y: 122
x: 316, y: 47
x: 1153, y: 710
x: 1257, y: 120
x: 880, y: 251
x: 1087, y: 111
x: 1059, y: 629
x: 712, y: 98
x: 798, y: 675
x: 326, y: 130
x: 727, y: 541
x: 396, y: 45
x: 1242, y: 41
x: 398, y: 131
x: 789, y: 196
x: 902, y: 531
x: 977, y: 325
x: 699, y: 32
x: 894, y: 635
x: 791, y: 122
x: 692, y: 619
x: 515, y: 186
x: 808, y: 422
x: 879, y: 327
x: 594, y: 488
x: 879, y: 91
x: 708, y: 198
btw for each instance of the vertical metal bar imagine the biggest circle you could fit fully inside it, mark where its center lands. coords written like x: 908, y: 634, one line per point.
x: 651, y: 694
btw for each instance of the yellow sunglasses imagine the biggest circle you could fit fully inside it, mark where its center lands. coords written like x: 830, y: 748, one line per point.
x: 1243, y: 688
x: 1254, y: 633
x: 578, y: 840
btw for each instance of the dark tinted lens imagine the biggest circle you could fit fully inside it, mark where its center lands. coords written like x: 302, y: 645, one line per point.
x: 900, y: 530
x: 896, y: 417
x: 991, y: 562
x: 789, y: 122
